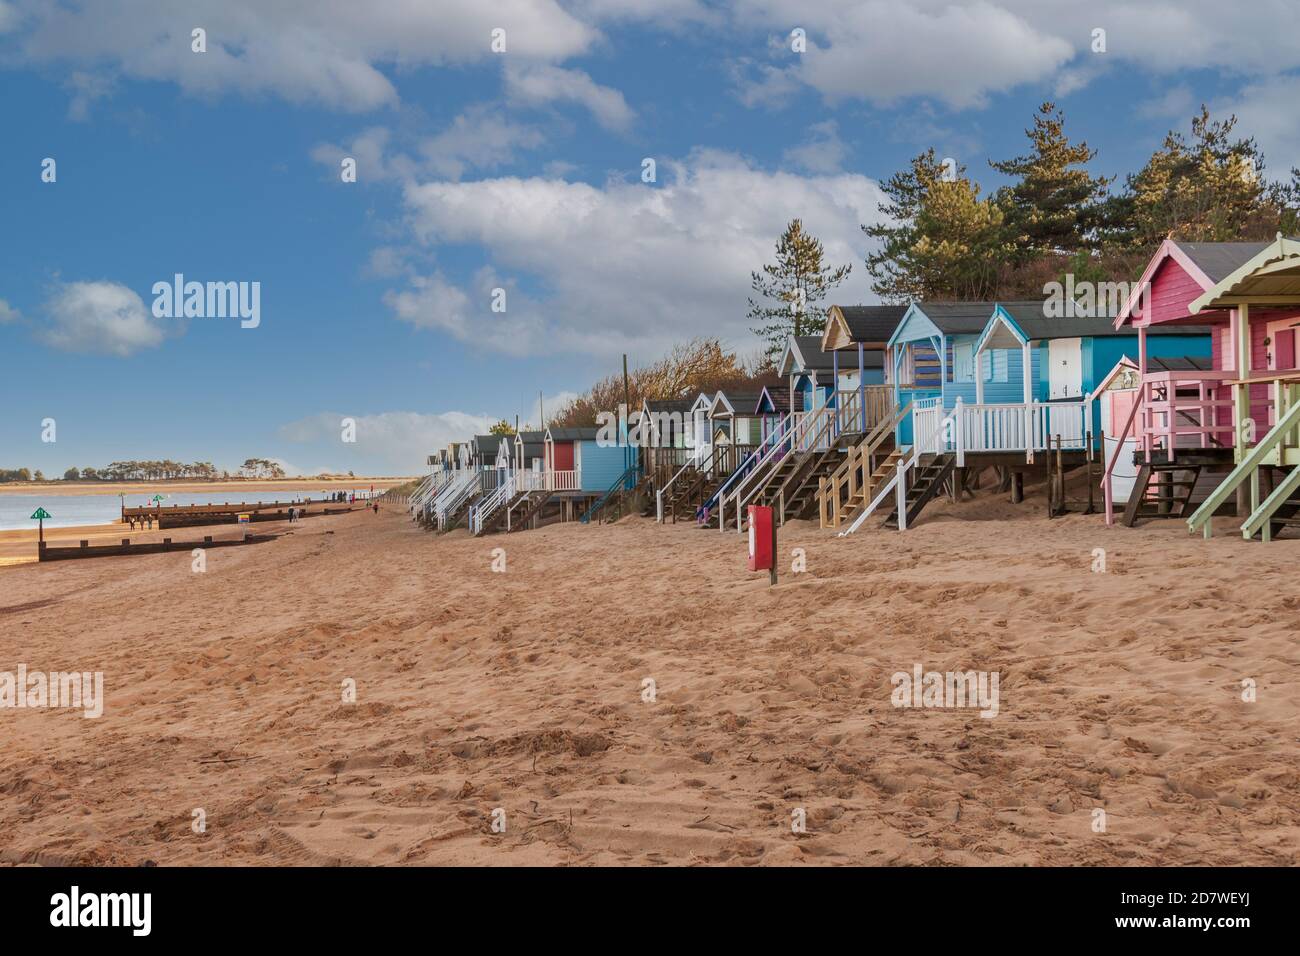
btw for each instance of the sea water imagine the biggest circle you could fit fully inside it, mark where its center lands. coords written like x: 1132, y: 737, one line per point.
x: 67, y: 511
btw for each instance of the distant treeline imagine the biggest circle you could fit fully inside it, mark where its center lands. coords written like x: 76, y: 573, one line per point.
x: 153, y: 471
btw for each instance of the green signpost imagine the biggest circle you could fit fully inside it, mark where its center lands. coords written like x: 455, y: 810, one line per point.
x: 39, y: 515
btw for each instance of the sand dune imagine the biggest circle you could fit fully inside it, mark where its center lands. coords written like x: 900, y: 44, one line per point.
x: 523, y: 691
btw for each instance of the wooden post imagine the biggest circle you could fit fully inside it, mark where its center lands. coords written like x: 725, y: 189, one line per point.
x: 1060, y: 477
x: 1092, y: 509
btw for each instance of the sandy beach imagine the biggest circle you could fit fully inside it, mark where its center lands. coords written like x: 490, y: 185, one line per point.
x: 523, y: 692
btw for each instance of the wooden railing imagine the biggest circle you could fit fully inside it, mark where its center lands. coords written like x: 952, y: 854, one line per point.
x: 852, y: 479
x: 797, y: 432
x: 877, y: 400
x: 563, y: 480
x: 465, y: 485
x: 1268, y: 449
x: 697, y: 458
x: 1001, y: 428
x: 1170, y: 421
x: 897, y: 484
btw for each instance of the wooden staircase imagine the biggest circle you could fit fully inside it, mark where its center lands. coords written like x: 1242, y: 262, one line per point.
x: 797, y: 497
x: 462, y: 511
x: 851, y: 486
x: 839, y: 505
x: 928, y: 477
x: 532, y: 503
x: 1172, y: 498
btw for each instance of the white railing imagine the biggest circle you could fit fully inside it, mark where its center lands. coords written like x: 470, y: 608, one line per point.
x: 454, y: 495
x: 563, y: 480
x: 754, y: 464
x: 479, y: 513
x: 982, y: 428
x: 1002, y: 428
x: 429, y: 490
x: 898, y: 483
x: 529, y: 480
x: 926, y: 414
x: 806, y: 430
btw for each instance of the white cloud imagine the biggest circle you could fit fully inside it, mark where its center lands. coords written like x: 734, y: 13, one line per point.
x: 431, y: 302
x: 396, y: 442
x: 886, y: 50
x: 1267, y: 111
x: 629, y: 267
x: 482, y: 137
x: 1177, y: 102
x: 822, y: 150
x: 538, y: 84
x: 8, y: 313
x: 370, y: 149
x: 102, y: 317
x: 86, y: 89
x: 479, y: 138
x: 961, y: 51
x: 326, y: 51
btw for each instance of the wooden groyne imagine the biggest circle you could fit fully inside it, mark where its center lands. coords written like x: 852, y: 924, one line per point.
x: 187, y: 516
x: 86, y: 550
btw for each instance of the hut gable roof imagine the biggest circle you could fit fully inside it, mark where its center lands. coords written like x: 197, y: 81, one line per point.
x: 773, y: 400
x: 571, y: 434
x: 1035, y: 326
x: 803, y: 353
x: 847, y: 325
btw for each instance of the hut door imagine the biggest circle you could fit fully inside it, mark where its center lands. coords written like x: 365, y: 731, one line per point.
x: 1065, y: 368
x: 1284, y: 349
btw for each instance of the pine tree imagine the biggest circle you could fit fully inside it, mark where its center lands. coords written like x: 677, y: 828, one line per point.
x: 939, y: 239
x: 1053, y: 204
x: 1212, y: 189
x: 798, y: 280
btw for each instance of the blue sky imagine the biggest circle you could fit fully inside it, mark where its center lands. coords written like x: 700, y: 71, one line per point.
x: 518, y: 170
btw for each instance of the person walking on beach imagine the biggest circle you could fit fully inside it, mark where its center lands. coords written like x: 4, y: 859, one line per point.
x: 376, y: 507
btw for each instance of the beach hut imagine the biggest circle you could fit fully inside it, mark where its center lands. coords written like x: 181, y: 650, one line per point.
x: 577, y: 461
x: 1189, y: 422
x: 772, y: 407
x: 1262, y: 299
x: 486, y: 458
x: 529, y: 450
x: 665, y: 426
x: 737, y: 427
x: 1025, y: 356
x: 809, y: 372
x: 921, y: 352
x: 856, y: 337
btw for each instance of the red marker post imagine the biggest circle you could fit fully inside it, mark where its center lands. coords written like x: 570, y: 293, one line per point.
x: 762, y: 540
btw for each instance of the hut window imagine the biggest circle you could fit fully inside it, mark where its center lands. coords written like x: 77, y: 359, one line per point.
x: 993, y: 365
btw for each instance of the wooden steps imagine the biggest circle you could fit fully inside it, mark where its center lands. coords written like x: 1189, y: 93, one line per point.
x: 1174, y: 485
x: 798, y: 497
x: 928, y: 477
x: 861, y: 496
x: 533, y: 502
x: 1287, y: 514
